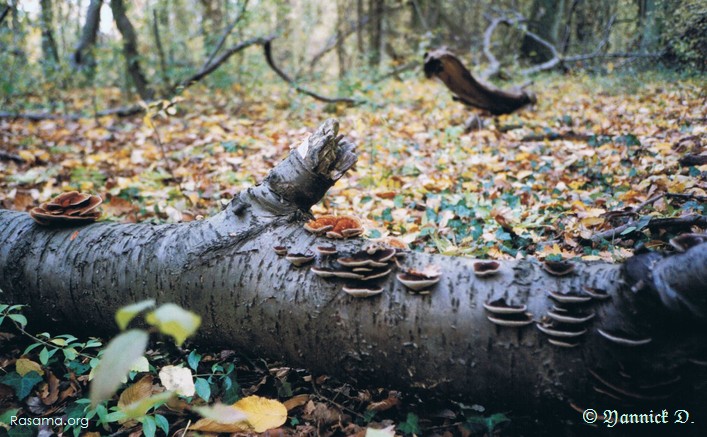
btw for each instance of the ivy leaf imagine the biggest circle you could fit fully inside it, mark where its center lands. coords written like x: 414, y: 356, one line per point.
x: 411, y: 425
x: 23, y: 385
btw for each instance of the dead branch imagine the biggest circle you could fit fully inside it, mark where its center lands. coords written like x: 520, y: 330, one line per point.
x: 226, y: 33
x: 5, y: 156
x: 654, y: 223
x: 558, y: 59
x: 268, y: 57
x: 4, y: 14
x: 690, y: 160
x: 126, y: 111
x: 443, y: 64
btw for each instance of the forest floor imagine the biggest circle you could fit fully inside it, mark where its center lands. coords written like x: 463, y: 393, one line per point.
x: 594, y: 155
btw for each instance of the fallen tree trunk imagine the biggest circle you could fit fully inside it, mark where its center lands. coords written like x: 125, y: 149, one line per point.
x: 553, y: 336
x: 443, y: 64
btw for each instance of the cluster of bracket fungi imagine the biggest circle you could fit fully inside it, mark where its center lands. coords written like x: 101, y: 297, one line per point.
x: 68, y: 208
x: 565, y: 323
x: 365, y: 270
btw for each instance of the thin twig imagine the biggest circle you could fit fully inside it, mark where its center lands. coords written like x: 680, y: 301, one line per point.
x: 226, y: 33
x: 299, y: 89
x: 686, y: 220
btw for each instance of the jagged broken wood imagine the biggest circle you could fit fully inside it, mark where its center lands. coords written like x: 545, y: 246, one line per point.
x: 520, y: 335
x: 444, y: 65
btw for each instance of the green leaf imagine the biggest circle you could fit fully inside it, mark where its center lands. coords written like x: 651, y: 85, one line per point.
x: 127, y: 313
x: 118, y: 357
x: 19, y: 318
x: 496, y: 419
x: 44, y: 356
x: 23, y: 385
x: 173, y: 320
x: 230, y: 391
x: 628, y: 230
x: 22, y: 431
x: 203, y: 390
x: 31, y: 347
x: 162, y: 423
x: 411, y: 425
x: 7, y: 415
x: 193, y: 360
x: 70, y: 353
x: 149, y: 427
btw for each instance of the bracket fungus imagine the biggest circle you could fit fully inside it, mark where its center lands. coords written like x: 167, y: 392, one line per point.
x: 68, y: 208
x: 327, y: 250
x: 623, y: 341
x: 685, y: 241
x: 558, y: 268
x: 362, y: 290
x: 571, y: 297
x: 499, y: 306
x: 336, y: 227
x: 299, y: 259
x: 419, y: 280
x: 511, y: 316
x: 484, y: 269
x: 280, y: 250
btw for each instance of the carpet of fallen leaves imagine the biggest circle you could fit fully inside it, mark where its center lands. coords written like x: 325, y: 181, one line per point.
x: 594, y: 154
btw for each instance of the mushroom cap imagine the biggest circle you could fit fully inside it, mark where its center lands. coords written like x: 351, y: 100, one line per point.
x: 624, y: 341
x: 569, y: 297
x: 511, y: 323
x: 558, y: 268
x: 280, y: 250
x: 299, y: 259
x: 564, y: 317
x: 332, y: 226
x: 416, y: 282
x: 68, y: 208
x: 484, y: 269
x: 376, y: 275
x: 323, y: 272
x: 597, y: 293
x: 362, y: 291
x: 499, y: 306
x: 327, y: 249
x: 552, y: 330
x: 685, y: 241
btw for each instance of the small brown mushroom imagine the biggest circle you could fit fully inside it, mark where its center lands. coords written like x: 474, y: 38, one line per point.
x: 597, y: 293
x: 558, y: 268
x: 569, y: 297
x: 376, y: 275
x: 484, y: 269
x: 280, y: 250
x: 323, y: 272
x: 685, y: 241
x: 517, y: 322
x: 420, y: 280
x: 299, y: 259
x: 362, y: 290
x: 327, y: 250
x: 559, y: 343
x: 499, y: 306
x: 335, y: 226
x: 563, y: 317
x: 68, y: 208
x: 623, y: 341
x: 553, y: 331
x: 321, y: 224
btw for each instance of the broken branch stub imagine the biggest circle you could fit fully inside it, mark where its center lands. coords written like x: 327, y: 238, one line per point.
x: 444, y: 65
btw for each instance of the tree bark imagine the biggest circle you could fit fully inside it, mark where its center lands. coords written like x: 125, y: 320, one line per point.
x: 82, y: 54
x: 375, y: 32
x: 644, y: 346
x: 50, y: 53
x: 547, y: 17
x: 130, y: 51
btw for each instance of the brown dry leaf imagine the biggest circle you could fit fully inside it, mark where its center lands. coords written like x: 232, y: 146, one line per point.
x: 296, y: 401
x: 49, y: 393
x: 142, y: 389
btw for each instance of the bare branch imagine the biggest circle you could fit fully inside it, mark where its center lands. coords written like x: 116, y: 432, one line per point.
x: 268, y: 57
x: 226, y: 33
x: 655, y: 223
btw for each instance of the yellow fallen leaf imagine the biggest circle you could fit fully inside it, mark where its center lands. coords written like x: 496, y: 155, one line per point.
x: 23, y: 366
x: 263, y: 414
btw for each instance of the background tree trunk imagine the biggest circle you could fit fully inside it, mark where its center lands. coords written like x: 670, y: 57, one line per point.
x: 341, y: 31
x: 546, y: 18
x: 82, y: 56
x: 130, y: 50
x: 643, y: 347
x: 375, y: 32
x: 50, y: 53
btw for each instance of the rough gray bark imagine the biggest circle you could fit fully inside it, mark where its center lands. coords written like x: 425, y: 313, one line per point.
x: 225, y: 269
x: 82, y: 54
x: 130, y: 52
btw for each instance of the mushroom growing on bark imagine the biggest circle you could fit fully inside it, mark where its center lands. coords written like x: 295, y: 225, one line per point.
x: 68, y: 208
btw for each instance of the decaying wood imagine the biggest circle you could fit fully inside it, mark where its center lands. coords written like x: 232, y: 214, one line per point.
x: 443, y: 64
x: 267, y: 48
x: 517, y: 335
